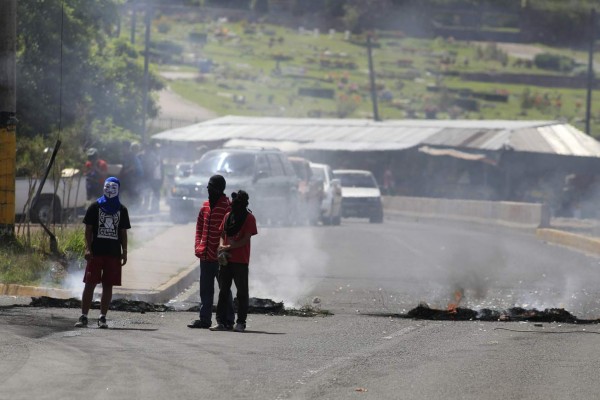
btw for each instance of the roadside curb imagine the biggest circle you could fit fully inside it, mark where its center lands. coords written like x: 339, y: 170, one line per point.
x: 10, y: 289
x: 162, y: 294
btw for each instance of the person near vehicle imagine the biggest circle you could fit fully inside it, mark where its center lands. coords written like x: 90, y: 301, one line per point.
x: 208, y: 232
x: 237, y: 228
x: 389, y: 183
x: 132, y: 174
x: 106, y: 223
x: 95, y: 172
x: 153, y: 177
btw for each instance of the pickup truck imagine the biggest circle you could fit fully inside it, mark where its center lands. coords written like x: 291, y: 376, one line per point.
x: 62, y: 204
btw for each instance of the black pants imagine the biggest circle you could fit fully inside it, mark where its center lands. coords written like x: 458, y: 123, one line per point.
x: 238, y: 273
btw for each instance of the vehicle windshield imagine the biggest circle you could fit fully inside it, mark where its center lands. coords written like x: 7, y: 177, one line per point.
x: 226, y: 164
x: 300, y: 170
x: 356, y: 180
x: 318, y: 174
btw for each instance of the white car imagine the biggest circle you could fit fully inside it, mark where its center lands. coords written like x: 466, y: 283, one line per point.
x: 361, y: 196
x: 331, y: 204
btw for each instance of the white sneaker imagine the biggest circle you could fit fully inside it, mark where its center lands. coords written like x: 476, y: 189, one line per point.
x: 217, y: 327
x: 102, y: 323
x: 239, y: 328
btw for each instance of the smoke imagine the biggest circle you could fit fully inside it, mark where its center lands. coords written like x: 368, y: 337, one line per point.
x: 286, y: 264
x: 73, y: 282
x: 69, y: 278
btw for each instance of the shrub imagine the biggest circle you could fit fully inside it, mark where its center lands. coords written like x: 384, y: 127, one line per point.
x: 554, y: 62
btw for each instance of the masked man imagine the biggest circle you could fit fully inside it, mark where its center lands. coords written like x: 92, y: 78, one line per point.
x: 106, y: 223
x: 208, y: 233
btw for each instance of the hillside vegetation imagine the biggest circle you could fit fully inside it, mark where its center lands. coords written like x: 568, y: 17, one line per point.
x: 269, y: 70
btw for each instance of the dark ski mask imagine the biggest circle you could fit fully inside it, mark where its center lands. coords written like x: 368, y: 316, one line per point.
x: 238, y: 214
x: 216, y: 187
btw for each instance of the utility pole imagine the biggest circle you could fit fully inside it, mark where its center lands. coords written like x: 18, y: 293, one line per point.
x: 146, y: 76
x: 133, y: 18
x: 8, y: 121
x: 590, y: 74
x: 372, y: 79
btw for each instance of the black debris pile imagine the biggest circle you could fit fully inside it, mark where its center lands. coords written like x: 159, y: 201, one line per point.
x: 136, y: 306
x: 255, y: 306
x: 270, y: 307
x: 263, y: 306
x: 115, y: 305
x: 423, y: 311
x: 306, y: 311
x: 533, y: 315
x: 51, y: 302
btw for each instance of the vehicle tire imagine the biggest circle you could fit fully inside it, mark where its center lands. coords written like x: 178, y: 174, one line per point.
x: 376, y: 218
x: 45, y: 210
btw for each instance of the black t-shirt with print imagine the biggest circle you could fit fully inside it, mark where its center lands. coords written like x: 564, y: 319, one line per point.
x: 106, y: 229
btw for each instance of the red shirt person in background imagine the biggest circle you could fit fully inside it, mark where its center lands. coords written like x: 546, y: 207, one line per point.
x: 237, y: 228
x: 96, y: 172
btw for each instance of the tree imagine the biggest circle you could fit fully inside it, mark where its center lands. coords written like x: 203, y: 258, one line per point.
x: 65, y: 49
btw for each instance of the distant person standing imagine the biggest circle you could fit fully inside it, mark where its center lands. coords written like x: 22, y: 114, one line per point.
x: 106, y: 223
x: 237, y: 228
x: 132, y: 173
x: 208, y: 232
x: 95, y: 172
x: 154, y: 175
x: 389, y: 183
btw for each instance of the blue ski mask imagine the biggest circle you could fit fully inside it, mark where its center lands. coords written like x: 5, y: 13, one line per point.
x: 109, y: 202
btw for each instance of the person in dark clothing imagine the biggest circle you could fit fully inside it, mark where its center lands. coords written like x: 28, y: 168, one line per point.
x: 208, y: 233
x: 132, y: 174
x: 106, y: 223
x: 237, y: 228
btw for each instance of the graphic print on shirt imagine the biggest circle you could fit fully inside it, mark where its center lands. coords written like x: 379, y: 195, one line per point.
x: 108, y: 225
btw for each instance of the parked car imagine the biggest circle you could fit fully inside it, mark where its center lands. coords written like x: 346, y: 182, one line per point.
x: 361, y: 196
x: 54, y: 204
x: 310, y: 191
x: 331, y: 204
x: 266, y: 174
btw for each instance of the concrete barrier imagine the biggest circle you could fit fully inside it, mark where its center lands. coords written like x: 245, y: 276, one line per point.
x: 526, y: 215
x: 512, y: 214
x: 586, y: 244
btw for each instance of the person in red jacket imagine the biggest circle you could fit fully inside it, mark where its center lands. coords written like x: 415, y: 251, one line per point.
x: 208, y: 233
x: 95, y: 172
x: 237, y: 228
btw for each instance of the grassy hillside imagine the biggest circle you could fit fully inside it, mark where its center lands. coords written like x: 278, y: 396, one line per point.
x: 265, y: 70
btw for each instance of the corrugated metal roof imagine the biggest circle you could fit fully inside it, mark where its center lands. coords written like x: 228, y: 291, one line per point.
x: 552, y: 137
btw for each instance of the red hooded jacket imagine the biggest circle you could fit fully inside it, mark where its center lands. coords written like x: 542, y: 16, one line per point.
x: 208, y: 228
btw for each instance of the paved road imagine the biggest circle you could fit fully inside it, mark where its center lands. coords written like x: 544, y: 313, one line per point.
x: 355, y: 270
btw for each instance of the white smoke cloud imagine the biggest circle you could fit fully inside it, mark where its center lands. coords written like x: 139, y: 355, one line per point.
x: 286, y: 272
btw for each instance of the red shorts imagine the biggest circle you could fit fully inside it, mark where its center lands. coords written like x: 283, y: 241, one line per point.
x: 103, y: 269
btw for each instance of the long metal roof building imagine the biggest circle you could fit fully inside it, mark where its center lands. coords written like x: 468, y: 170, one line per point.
x: 547, y: 137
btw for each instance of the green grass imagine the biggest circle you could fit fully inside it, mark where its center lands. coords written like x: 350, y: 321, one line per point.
x: 26, y: 260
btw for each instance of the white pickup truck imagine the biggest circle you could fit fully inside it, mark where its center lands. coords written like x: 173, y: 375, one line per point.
x: 58, y: 205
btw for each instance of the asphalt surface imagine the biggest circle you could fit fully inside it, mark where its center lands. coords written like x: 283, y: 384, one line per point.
x: 364, y: 274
